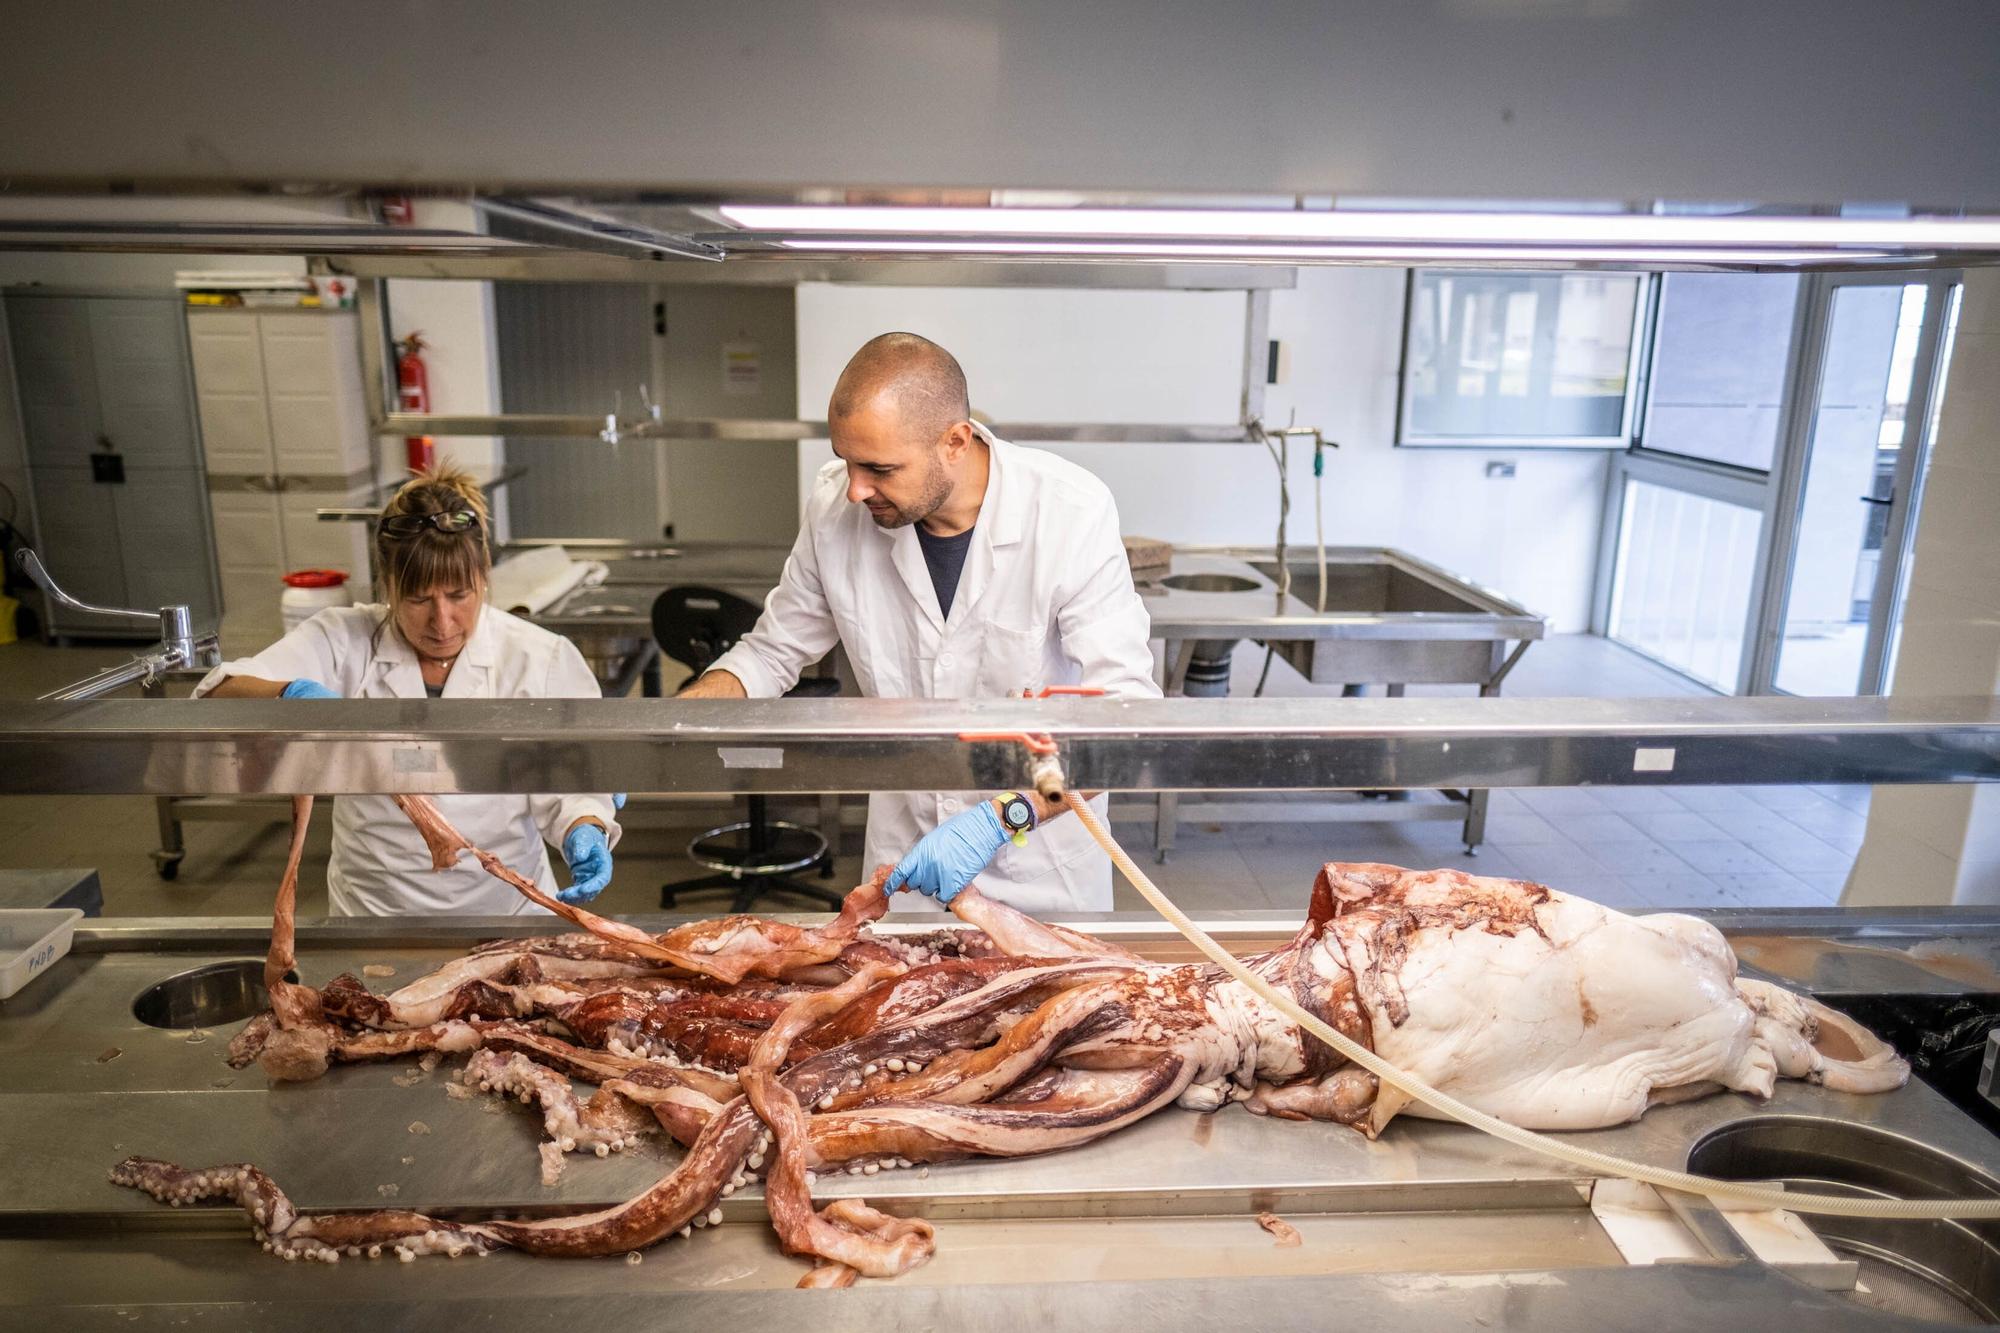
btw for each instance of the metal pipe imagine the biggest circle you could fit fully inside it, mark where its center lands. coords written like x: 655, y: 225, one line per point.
x: 136, y: 671
x: 619, y: 237
x: 759, y: 429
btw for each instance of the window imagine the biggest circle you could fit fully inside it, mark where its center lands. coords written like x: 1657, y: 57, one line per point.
x: 1681, y: 585
x: 1721, y: 346
x: 1494, y: 357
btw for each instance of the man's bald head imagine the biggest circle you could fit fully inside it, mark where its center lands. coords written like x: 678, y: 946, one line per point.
x: 900, y: 422
x: 913, y: 376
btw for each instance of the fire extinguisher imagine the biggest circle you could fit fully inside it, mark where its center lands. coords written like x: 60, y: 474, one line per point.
x: 413, y: 394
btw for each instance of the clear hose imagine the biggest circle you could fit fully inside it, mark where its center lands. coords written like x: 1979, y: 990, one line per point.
x: 1597, y: 1163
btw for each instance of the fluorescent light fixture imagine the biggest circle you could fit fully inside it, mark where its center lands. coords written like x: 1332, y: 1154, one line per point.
x: 1636, y: 255
x: 1282, y: 226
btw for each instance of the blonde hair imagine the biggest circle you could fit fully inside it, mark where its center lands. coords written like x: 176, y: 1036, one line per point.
x: 415, y: 563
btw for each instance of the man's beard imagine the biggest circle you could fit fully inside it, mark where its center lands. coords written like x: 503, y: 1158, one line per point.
x: 937, y: 489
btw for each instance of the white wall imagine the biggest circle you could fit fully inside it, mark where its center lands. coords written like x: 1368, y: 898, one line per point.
x: 1174, y: 357
x: 461, y: 351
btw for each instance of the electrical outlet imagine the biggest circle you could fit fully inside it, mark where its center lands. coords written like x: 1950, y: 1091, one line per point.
x: 1500, y: 469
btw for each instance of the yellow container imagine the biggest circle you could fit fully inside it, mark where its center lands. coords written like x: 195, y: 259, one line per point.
x: 8, y: 606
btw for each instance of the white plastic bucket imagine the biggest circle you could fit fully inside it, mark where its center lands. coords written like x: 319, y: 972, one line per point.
x: 310, y: 591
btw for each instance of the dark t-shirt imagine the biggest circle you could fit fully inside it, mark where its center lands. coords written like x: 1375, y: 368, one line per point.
x: 946, y: 558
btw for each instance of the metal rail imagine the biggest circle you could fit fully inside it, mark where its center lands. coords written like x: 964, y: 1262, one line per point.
x: 611, y: 427
x: 172, y: 747
x: 535, y: 264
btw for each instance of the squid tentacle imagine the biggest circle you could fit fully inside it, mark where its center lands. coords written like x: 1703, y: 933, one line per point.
x: 1093, y: 1104
x: 869, y: 1242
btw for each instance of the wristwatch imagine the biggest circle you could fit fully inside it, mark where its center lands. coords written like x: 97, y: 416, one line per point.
x: 1017, y: 816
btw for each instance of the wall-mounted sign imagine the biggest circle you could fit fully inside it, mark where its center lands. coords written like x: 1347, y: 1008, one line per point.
x: 742, y: 370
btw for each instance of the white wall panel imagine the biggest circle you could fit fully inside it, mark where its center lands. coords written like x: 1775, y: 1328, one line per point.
x: 1037, y: 355
x: 567, y: 347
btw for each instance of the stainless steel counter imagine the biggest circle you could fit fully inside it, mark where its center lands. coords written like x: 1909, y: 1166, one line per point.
x: 254, y: 746
x: 1374, y: 594
x: 1430, y: 1224
x: 1389, y: 619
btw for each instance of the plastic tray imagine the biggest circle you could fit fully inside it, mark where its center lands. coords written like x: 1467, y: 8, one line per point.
x: 30, y: 940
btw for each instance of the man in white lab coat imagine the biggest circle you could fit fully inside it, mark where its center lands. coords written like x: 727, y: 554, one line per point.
x: 951, y: 564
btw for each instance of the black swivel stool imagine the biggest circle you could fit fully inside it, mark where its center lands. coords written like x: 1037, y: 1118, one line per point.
x: 695, y: 626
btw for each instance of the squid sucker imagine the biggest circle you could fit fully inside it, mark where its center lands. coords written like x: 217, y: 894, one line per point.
x: 778, y: 1053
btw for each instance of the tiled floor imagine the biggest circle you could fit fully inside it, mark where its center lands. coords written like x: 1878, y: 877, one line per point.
x: 1631, y: 846
x: 1625, y: 847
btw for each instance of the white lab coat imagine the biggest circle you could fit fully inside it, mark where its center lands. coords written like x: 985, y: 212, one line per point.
x: 1045, y: 598
x: 380, y: 866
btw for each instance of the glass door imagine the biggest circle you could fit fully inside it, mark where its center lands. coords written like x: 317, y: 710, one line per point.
x: 1850, y: 468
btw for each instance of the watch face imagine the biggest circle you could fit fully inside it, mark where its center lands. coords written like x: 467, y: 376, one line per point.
x: 1017, y: 813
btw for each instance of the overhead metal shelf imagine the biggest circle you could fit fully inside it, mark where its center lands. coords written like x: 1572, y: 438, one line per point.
x: 255, y: 747
x: 257, y: 238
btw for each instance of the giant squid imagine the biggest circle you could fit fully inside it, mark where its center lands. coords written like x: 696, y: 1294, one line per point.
x: 779, y: 1053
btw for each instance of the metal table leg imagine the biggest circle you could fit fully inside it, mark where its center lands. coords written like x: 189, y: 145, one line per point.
x: 1176, y: 657
x: 1475, y: 819
x: 167, y: 857
x: 829, y: 828
x: 1476, y: 801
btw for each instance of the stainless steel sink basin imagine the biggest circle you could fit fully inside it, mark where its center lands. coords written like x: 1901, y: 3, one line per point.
x: 1373, y: 586
x: 1945, y: 1271
x: 1390, y: 618
x: 206, y: 997
x: 1210, y: 583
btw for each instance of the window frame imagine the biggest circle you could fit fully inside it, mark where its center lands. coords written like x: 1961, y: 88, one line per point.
x: 1642, y: 423
x: 1777, y: 490
x: 1637, y: 363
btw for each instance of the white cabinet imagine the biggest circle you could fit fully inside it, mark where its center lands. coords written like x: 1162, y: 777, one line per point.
x: 229, y: 373
x: 284, y: 429
x: 312, y: 381
x: 250, y: 550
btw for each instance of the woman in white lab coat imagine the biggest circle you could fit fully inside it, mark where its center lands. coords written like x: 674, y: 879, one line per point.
x: 436, y: 637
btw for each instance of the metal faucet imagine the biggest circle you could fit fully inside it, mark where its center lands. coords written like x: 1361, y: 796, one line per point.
x: 179, y: 645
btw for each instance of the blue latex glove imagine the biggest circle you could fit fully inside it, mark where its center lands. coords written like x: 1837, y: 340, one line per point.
x: 306, y: 689
x: 945, y: 860
x: 589, y: 857
x: 617, y: 800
